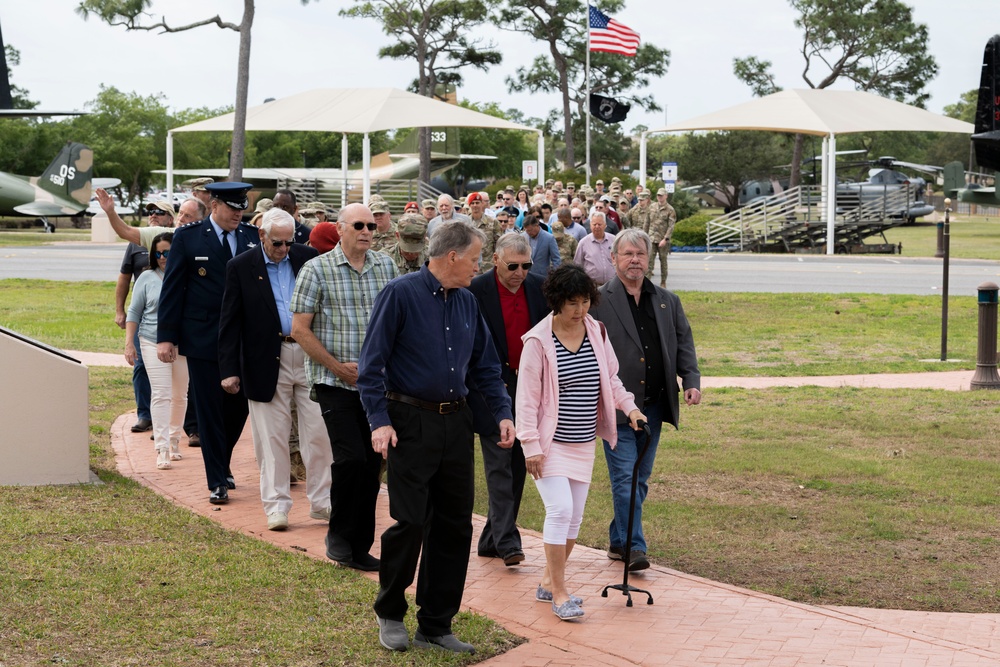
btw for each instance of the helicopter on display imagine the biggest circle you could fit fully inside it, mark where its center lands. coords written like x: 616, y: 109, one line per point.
x: 884, y: 180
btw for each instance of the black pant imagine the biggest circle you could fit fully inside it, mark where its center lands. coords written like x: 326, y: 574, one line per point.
x: 221, y: 418
x: 431, y: 489
x: 505, y: 475
x: 190, y: 416
x: 356, y: 467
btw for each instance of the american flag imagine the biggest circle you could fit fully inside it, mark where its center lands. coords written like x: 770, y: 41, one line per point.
x: 610, y: 36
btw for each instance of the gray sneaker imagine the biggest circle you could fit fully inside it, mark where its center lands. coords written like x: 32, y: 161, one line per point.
x: 392, y: 634
x: 447, y: 642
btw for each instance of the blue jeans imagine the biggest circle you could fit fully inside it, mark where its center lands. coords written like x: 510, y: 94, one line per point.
x: 140, y: 384
x: 621, y: 461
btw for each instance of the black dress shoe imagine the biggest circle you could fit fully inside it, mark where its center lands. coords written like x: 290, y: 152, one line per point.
x: 220, y: 496
x: 194, y: 440
x: 142, y: 426
x: 513, y: 558
x: 230, y: 483
x: 365, y: 563
x: 337, y: 549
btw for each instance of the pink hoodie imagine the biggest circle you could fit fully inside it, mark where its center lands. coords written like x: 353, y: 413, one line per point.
x: 537, y: 407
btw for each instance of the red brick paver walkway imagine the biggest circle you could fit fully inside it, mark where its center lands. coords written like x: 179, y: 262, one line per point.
x: 693, y: 622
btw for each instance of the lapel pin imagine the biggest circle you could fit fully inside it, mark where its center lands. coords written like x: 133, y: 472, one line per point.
x: 202, y: 272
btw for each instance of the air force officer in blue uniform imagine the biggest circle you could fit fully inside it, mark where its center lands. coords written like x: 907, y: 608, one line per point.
x: 190, y: 304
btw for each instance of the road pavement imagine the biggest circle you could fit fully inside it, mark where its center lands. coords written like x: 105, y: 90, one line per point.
x: 717, y: 272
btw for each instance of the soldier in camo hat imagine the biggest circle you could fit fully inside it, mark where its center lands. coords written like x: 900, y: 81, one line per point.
x: 313, y: 213
x: 410, y: 250
x: 385, y: 235
x: 198, y: 190
x: 660, y: 232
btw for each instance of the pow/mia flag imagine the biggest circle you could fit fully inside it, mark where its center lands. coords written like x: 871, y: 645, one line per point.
x: 608, y: 109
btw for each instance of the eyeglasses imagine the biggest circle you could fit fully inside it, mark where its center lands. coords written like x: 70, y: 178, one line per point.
x: 157, y: 211
x: 524, y: 265
x: 160, y: 255
x: 279, y: 244
x: 361, y: 225
x: 576, y: 219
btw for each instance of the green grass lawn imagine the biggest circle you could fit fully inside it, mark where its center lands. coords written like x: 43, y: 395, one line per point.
x: 743, y: 334
x: 826, y: 496
x: 113, y: 574
x: 24, y: 237
x: 972, y: 237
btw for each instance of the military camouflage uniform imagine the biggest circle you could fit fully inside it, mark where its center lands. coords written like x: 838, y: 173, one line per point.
x: 662, y: 227
x: 491, y: 230
x: 402, y: 265
x: 567, y: 247
x: 384, y: 240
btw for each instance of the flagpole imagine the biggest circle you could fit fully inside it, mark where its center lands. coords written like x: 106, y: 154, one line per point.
x: 586, y: 102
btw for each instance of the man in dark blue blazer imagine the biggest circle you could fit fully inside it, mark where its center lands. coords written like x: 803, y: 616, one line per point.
x: 258, y: 354
x: 188, y: 323
x: 510, y: 300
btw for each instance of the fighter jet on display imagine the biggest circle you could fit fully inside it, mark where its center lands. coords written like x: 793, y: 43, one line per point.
x: 62, y: 189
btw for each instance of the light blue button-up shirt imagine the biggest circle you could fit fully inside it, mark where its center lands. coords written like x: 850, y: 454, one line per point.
x: 231, y: 237
x: 282, y: 285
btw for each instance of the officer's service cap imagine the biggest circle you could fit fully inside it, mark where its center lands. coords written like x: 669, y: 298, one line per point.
x: 233, y: 195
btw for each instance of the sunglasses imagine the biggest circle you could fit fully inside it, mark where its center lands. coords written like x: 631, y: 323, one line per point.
x: 157, y: 212
x: 160, y: 255
x: 279, y: 244
x: 524, y: 265
x: 361, y: 225
x: 576, y: 219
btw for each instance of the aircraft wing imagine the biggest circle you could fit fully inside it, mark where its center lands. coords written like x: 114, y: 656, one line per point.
x: 46, y: 208
x: 105, y: 183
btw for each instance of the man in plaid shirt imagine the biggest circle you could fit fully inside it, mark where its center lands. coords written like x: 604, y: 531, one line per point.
x: 331, y: 305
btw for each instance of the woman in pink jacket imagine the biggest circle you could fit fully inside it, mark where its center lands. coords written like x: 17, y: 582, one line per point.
x: 567, y: 393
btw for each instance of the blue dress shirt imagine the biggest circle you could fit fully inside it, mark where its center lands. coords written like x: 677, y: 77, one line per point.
x: 423, y: 343
x: 231, y: 237
x: 282, y: 285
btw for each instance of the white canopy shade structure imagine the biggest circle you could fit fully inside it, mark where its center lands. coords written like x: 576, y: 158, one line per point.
x: 820, y: 112
x: 352, y: 110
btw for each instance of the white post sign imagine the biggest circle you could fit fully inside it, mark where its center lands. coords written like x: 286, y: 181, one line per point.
x: 669, y: 187
x: 669, y: 172
x: 529, y: 170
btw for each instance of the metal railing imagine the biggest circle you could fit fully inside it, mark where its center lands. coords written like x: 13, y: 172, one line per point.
x: 395, y: 191
x: 754, y: 224
x: 795, y: 218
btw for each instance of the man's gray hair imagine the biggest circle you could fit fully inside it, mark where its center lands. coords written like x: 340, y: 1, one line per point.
x: 596, y: 215
x: 634, y: 237
x: 456, y: 236
x: 514, y: 243
x: 276, y: 218
x: 446, y: 197
x: 200, y: 205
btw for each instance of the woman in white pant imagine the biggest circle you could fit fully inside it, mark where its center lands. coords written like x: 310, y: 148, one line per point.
x: 567, y: 393
x: 168, y: 382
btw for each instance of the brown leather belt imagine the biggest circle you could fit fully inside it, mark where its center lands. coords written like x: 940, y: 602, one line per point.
x: 440, y: 408
x: 287, y: 339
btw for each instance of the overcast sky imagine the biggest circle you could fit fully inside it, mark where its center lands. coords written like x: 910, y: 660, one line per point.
x: 65, y: 59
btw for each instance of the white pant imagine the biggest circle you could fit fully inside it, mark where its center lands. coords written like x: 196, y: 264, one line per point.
x: 168, y: 385
x: 564, y: 500
x: 271, y: 424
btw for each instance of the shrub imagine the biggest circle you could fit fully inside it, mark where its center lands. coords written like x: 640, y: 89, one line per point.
x: 691, y: 231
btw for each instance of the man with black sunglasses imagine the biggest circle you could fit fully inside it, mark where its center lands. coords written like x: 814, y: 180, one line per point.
x: 331, y: 305
x: 510, y: 300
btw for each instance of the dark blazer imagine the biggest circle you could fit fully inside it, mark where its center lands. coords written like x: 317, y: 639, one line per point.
x: 676, y: 342
x: 191, y: 296
x: 249, y: 328
x: 485, y: 289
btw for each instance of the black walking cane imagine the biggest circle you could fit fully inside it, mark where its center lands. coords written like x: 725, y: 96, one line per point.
x: 624, y: 587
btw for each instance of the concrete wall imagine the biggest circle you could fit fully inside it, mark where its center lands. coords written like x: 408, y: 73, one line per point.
x: 101, y: 231
x: 44, y: 429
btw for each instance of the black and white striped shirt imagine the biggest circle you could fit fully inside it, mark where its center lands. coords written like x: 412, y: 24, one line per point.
x: 579, y: 388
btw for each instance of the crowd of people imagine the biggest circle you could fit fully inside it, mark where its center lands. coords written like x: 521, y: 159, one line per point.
x: 368, y: 346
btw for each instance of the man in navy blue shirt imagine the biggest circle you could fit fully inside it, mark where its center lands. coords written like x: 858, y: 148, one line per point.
x: 425, y: 337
